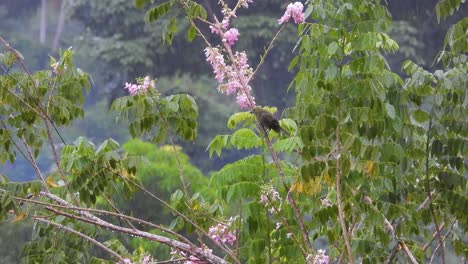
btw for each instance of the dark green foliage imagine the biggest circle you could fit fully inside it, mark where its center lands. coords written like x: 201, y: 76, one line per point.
x: 157, y: 115
x: 445, y: 8
x: 96, y: 171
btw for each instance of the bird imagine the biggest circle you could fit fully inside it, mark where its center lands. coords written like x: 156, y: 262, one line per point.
x: 267, y: 120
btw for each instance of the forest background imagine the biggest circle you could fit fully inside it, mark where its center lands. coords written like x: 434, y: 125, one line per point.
x: 114, y: 44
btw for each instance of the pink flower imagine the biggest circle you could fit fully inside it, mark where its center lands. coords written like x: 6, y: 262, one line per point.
x: 132, y: 88
x: 245, y: 3
x: 321, y: 258
x: 215, y: 29
x: 230, y: 36
x: 243, y: 101
x: 216, y: 59
x: 264, y: 199
x: 144, y: 85
x: 294, y: 11
x: 221, y: 232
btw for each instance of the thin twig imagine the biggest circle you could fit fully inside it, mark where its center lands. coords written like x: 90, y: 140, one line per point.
x: 289, y: 197
x: 180, y: 169
x: 429, y: 194
x: 426, y: 246
x: 392, y: 254
x: 341, y: 213
x: 438, y: 245
x: 262, y: 57
x: 14, y: 142
x: 25, y: 68
x: 290, y: 230
x: 18, y: 57
x: 88, y: 238
x: 35, y: 166
x: 119, y: 213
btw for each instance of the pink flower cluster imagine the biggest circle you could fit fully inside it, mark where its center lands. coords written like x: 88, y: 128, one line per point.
x: 294, y: 11
x: 234, y: 78
x: 245, y: 3
x: 141, y: 87
x: 228, y: 35
x: 320, y: 258
x: 231, y: 36
x: 269, y: 196
x: 221, y: 233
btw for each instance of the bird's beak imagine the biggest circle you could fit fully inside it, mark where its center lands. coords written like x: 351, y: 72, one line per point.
x: 251, y: 111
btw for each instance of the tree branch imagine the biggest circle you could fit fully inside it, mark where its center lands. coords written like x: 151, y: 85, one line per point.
x: 88, y: 238
x: 429, y: 195
x: 194, y: 251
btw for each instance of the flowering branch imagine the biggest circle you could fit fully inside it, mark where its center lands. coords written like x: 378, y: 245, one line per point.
x: 235, y: 78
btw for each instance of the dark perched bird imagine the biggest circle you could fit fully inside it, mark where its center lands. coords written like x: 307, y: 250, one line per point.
x: 267, y: 120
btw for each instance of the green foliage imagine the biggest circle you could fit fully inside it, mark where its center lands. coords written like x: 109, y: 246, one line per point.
x: 96, y: 171
x: 51, y: 245
x: 154, y: 115
x: 161, y: 166
x: 158, y: 11
x: 348, y: 96
x: 391, y: 142
x: 243, y: 138
x: 445, y: 8
x: 456, y: 40
x: 57, y: 93
x: 10, y: 190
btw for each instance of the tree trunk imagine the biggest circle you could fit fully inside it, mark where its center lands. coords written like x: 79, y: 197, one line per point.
x: 60, y: 24
x: 43, y: 23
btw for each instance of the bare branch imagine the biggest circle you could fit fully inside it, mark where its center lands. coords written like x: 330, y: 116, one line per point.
x: 104, y: 212
x: 88, y: 238
x: 194, y: 251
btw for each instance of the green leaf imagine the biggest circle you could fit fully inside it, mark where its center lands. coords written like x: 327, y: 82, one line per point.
x: 191, y: 33
x: 245, y: 138
x: 158, y: 11
x: 238, y: 118
x: 195, y: 10
x: 390, y: 110
x: 242, y: 190
x: 421, y: 116
x: 332, y: 48
x: 445, y: 8
x: 293, y: 63
x: 140, y: 3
